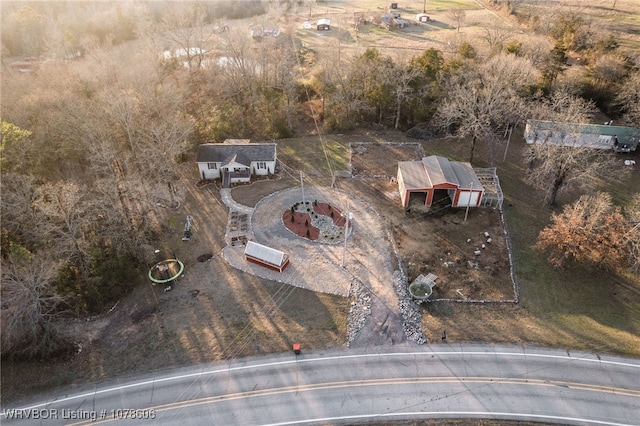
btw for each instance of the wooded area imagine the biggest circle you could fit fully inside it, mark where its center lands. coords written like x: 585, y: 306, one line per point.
x: 96, y: 126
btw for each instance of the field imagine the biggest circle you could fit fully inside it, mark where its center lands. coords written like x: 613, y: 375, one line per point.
x: 217, y: 312
x: 481, y: 18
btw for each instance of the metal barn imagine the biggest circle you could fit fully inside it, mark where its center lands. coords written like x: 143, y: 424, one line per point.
x: 436, y: 180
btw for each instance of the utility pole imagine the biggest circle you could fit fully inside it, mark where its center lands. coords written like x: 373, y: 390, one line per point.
x: 302, y: 186
x: 508, y: 140
x: 424, y: 7
x: 468, y: 203
x: 346, y: 234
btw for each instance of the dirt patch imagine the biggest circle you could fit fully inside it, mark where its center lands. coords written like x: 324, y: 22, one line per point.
x: 205, y: 257
x: 470, y: 266
x: 469, y: 257
x: 380, y: 160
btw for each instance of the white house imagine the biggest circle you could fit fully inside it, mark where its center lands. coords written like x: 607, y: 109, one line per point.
x: 235, y: 160
x: 323, y: 24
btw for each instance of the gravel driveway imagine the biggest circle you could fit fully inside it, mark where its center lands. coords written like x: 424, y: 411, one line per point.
x: 370, y: 262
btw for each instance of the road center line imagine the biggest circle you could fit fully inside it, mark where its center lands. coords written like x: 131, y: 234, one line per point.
x: 324, y: 359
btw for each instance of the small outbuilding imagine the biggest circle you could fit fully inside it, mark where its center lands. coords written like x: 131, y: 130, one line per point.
x: 323, y: 24
x: 435, y: 179
x: 266, y: 256
x: 422, y: 17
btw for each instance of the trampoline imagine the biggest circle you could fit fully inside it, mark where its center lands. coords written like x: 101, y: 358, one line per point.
x: 166, y: 271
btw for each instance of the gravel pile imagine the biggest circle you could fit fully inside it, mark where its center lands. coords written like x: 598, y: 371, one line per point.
x: 359, y: 311
x: 411, y: 315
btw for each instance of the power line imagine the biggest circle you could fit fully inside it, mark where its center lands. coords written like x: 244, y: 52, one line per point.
x: 313, y: 112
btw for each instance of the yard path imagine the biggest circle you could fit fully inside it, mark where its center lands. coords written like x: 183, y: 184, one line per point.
x: 369, y: 260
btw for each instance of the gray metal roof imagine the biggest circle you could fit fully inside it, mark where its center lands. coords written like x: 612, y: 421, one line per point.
x: 586, y: 134
x: 439, y: 170
x: 414, y: 175
x: 467, y: 178
x: 241, y: 153
x: 435, y: 170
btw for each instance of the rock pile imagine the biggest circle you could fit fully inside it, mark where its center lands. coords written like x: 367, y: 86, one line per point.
x: 411, y: 315
x: 359, y: 311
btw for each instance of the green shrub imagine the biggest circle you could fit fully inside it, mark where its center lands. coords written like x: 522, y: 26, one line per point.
x: 110, y: 278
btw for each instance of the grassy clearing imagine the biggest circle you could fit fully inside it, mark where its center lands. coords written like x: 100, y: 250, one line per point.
x: 445, y: 5
x: 578, y: 306
x: 315, y: 158
x: 623, y: 20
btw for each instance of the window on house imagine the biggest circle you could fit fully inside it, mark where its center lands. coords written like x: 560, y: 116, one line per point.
x: 604, y: 140
x: 262, y: 165
x: 212, y: 166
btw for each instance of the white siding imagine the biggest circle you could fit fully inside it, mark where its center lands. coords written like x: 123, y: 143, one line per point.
x: 208, y: 173
x: 467, y: 198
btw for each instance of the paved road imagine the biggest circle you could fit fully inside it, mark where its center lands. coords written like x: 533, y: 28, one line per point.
x: 394, y: 382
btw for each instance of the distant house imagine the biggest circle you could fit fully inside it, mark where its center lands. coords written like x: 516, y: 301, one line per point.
x: 179, y: 53
x: 422, y: 17
x: 435, y: 179
x: 235, y: 160
x: 185, y: 56
x: 617, y: 138
x: 401, y: 23
x: 323, y: 24
x: 258, y: 31
x: 24, y: 66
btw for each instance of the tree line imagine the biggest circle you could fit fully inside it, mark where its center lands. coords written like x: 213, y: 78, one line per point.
x: 93, y: 144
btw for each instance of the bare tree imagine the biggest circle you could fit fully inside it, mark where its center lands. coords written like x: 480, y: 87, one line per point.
x: 553, y: 168
x: 590, y: 229
x: 496, y: 37
x: 457, y: 15
x: 481, y: 101
x: 632, y: 213
x: 24, y: 30
x: 402, y: 76
x: 30, y: 306
x: 237, y: 76
x: 628, y: 98
x: 609, y: 69
x: 188, y: 34
x: 20, y: 218
x: 564, y: 106
x: 536, y: 48
x: 64, y: 211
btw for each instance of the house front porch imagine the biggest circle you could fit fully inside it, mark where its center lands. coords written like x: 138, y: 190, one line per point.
x: 229, y: 177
